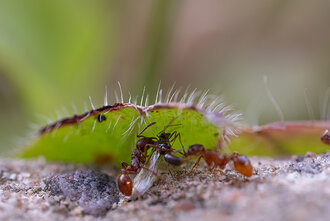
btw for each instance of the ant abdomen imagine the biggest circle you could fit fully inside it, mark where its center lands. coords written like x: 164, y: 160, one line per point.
x: 125, y: 184
x: 243, y: 165
x: 173, y: 160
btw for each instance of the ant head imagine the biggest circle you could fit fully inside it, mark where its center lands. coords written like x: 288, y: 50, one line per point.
x: 195, y: 149
x: 140, y: 144
x: 164, y: 136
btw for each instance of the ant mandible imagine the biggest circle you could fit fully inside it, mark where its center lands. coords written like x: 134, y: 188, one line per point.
x: 162, y: 143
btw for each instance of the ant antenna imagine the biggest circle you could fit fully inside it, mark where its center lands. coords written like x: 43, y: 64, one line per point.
x: 309, y: 105
x: 169, y: 125
x: 272, y: 99
x: 149, y: 125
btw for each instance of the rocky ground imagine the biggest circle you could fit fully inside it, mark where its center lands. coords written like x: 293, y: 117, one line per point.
x: 281, y: 189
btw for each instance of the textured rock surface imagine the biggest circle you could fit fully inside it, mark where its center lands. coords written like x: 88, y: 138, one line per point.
x: 94, y: 191
x: 286, y: 189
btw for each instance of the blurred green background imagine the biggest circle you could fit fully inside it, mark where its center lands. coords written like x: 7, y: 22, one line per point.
x: 57, y: 53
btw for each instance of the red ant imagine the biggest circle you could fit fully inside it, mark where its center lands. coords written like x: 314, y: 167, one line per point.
x: 162, y: 143
x: 326, y: 137
x: 241, y: 162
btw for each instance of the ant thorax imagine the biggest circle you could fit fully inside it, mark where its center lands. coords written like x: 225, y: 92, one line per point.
x: 164, y: 138
x: 164, y: 147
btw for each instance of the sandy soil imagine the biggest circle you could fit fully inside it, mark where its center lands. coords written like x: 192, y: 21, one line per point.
x: 289, y: 189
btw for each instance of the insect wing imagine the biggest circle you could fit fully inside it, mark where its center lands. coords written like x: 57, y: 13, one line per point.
x: 144, y: 180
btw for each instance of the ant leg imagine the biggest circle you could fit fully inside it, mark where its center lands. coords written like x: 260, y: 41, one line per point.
x: 145, y: 152
x: 124, y: 164
x: 154, y: 173
x: 175, y: 136
x: 197, y: 161
x: 178, y: 135
x: 184, y: 151
x: 171, y: 174
x: 220, y: 170
x: 169, y: 125
x: 180, y: 141
x: 149, y: 125
x: 179, y: 151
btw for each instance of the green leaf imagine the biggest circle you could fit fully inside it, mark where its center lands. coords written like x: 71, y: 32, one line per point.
x: 84, y: 138
x: 281, y: 138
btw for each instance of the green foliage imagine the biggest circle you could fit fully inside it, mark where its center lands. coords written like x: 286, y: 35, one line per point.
x: 281, y: 139
x: 109, y: 134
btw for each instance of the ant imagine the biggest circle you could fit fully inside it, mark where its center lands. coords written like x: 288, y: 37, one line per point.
x: 241, y: 162
x: 326, y: 137
x: 162, y: 143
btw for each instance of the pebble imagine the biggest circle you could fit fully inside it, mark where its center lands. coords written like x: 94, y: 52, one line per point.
x: 13, y: 202
x: 13, y: 176
x: 184, y: 205
x: 93, y: 191
x: 77, y: 211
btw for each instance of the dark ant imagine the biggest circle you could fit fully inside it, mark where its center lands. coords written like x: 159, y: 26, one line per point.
x: 162, y: 143
x: 100, y: 118
x: 241, y: 162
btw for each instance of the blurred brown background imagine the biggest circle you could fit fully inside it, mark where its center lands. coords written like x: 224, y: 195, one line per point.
x: 56, y: 53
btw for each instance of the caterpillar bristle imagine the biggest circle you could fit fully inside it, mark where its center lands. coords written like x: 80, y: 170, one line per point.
x: 91, y: 102
x: 169, y: 93
x: 94, y: 124
x: 121, y: 93
x: 106, y: 96
x: 130, y: 97
x: 116, y: 97
x: 74, y: 108
x: 109, y: 126
x: 210, y: 106
x: 156, y: 101
x: 325, y: 109
x: 65, y: 111
x: 144, y: 89
x: 147, y: 100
